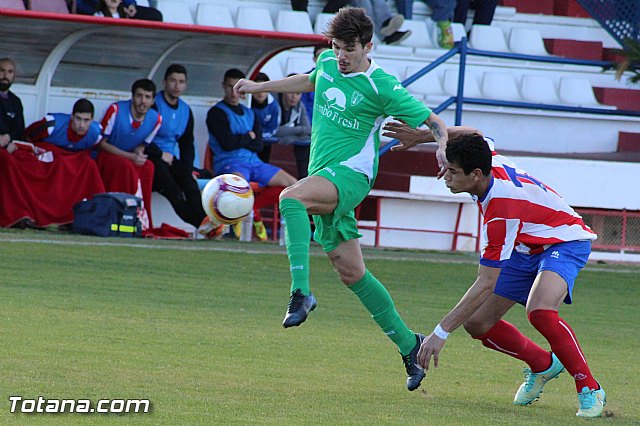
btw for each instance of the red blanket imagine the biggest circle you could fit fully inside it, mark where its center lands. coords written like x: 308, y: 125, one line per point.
x: 45, y: 192
x: 120, y: 174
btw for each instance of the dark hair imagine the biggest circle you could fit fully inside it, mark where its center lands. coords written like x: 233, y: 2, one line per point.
x: 7, y: 59
x: 261, y: 77
x: 144, y: 84
x: 101, y: 6
x: 470, y: 151
x: 175, y: 69
x: 318, y: 47
x: 351, y: 25
x: 233, y: 73
x: 83, y: 106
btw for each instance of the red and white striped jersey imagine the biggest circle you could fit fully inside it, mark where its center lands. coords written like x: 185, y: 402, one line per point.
x: 522, y: 213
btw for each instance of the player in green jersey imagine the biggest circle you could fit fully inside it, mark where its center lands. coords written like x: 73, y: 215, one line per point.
x: 353, y: 97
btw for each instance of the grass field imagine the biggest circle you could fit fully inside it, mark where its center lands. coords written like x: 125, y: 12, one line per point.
x: 195, y: 327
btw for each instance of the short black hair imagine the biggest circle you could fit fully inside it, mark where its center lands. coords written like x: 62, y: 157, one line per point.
x: 261, y: 77
x: 351, y: 25
x: 175, y: 69
x: 144, y: 84
x: 83, y: 106
x: 470, y: 151
x: 233, y: 73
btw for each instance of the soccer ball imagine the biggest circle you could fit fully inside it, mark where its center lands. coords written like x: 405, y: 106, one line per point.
x: 227, y: 199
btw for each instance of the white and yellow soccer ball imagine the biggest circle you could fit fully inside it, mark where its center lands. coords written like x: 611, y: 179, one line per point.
x: 227, y: 199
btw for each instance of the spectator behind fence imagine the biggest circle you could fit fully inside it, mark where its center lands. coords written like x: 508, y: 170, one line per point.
x: 131, y: 9
x: 172, y: 149
x: 128, y: 126
x: 267, y: 109
x: 43, y: 179
x: 11, y: 111
x: 235, y: 138
x: 386, y: 24
x: 483, y: 15
x: 441, y: 14
x: 295, y: 129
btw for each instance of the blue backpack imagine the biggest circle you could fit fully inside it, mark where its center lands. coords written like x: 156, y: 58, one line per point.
x: 110, y: 214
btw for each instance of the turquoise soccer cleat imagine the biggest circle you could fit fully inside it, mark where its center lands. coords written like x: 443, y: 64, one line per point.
x: 591, y: 402
x: 531, y: 389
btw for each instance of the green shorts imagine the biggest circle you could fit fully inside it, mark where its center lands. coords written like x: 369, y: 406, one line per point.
x: 341, y: 225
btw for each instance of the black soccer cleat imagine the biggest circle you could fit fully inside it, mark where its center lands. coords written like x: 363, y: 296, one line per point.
x: 415, y: 373
x: 298, y: 309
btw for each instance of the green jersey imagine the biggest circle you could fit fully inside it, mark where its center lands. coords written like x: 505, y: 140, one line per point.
x: 348, y: 111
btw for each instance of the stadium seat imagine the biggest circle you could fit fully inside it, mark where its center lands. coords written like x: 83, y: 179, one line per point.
x: 213, y: 15
x: 428, y: 84
x: 292, y: 21
x: 254, y: 18
x: 527, y: 41
x: 299, y: 65
x: 578, y: 92
x: 12, y: 4
x: 486, y: 37
x: 391, y: 67
x: 174, y: 11
x: 471, y: 86
x: 322, y: 20
x: 55, y: 6
x: 273, y: 69
x: 539, y: 89
x: 500, y: 86
x: 419, y: 34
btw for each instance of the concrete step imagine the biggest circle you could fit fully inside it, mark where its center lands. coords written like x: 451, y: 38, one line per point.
x: 575, y: 49
x: 621, y: 98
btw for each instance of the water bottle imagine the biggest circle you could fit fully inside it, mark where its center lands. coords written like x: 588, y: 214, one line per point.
x: 247, y: 227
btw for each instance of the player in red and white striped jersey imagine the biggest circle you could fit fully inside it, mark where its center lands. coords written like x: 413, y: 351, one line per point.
x: 534, y: 247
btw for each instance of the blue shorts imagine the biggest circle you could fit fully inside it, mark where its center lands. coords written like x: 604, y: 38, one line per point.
x: 518, y: 273
x: 253, y: 172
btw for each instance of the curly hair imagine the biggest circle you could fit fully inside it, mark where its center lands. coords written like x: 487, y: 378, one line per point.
x: 470, y: 151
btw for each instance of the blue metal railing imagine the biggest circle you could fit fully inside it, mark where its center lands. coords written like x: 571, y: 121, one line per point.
x: 463, y: 50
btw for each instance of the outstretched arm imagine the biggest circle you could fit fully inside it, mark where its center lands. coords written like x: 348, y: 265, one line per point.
x: 295, y: 83
x: 475, y: 296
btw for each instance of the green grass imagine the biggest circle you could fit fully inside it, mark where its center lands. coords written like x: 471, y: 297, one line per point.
x: 195, y: 328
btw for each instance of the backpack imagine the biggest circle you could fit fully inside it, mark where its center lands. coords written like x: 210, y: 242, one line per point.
x: 110, y: 214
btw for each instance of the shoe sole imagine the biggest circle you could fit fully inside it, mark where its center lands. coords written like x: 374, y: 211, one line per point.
x: 394, y: 25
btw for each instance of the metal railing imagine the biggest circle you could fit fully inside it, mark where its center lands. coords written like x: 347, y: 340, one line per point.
x: 461, y: 48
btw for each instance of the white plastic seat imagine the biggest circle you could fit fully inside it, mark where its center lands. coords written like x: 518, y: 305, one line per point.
x: 539, y: 89
x: 292, y: 21
x: 254, y: 18
x: 176, y: 12
x: 527, y: 41
x: 12, y: 4
x: 214, y: 15
x: 419, y: 34
x: 55, y: 6
x: 500, y: 86
x: 273, y: 69
x: 471, y: 86
x: 486, y: 37
x: 429, y: 84
x: 322, y: 21
x: 577, y: 92
x: 299, y: 65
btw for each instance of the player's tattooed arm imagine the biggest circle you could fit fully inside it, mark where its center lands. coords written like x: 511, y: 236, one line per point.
x: 441, y: 136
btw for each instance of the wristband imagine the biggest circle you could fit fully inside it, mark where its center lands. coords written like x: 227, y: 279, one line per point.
x: 438, y: 331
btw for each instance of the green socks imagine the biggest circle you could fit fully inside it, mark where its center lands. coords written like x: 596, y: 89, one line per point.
x: 378, y: 302
x: 297, y: 238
